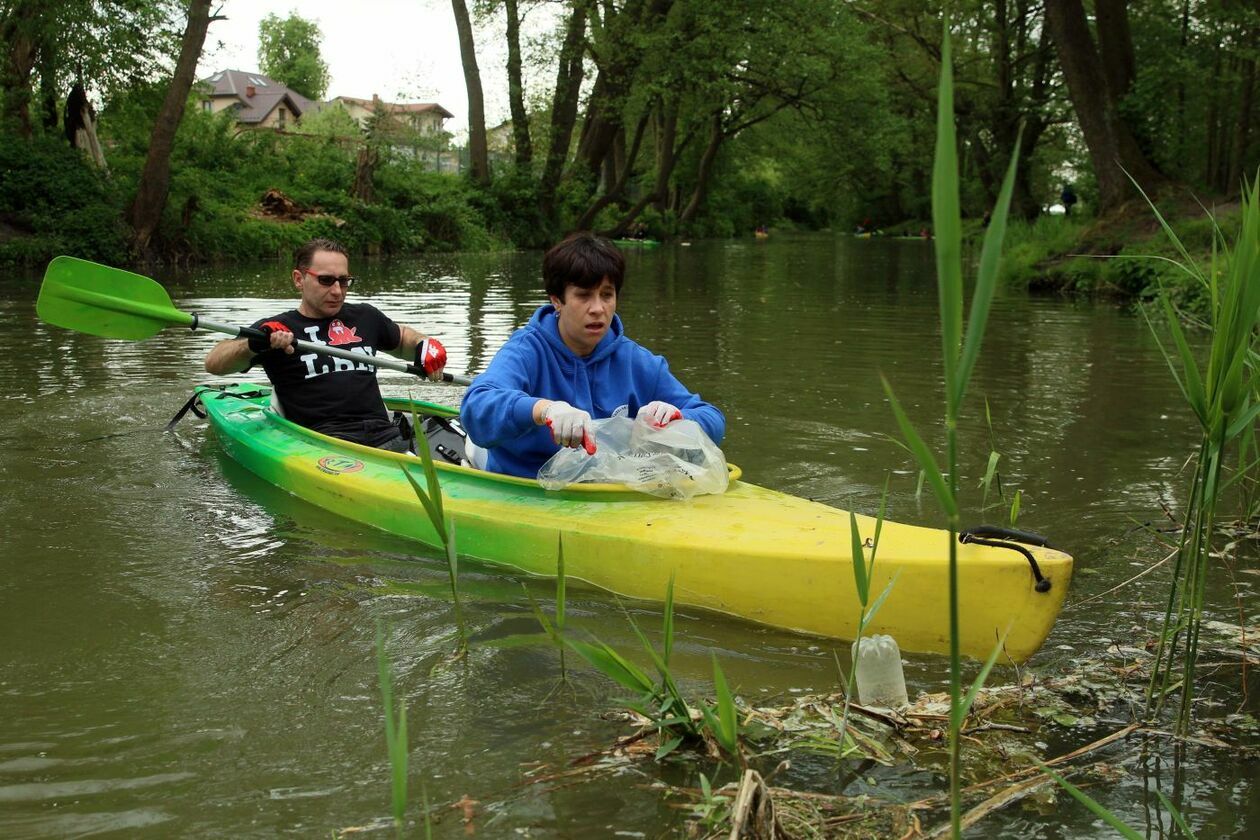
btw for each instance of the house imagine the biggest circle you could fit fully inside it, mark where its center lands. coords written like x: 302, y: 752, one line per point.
x: 423, y: 117
x: 259, y: 101
x: 501, y: 140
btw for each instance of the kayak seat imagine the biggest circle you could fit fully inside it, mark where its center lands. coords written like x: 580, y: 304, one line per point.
x: 447, y: 439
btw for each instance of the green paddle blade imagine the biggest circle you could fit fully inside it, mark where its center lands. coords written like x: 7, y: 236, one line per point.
x: 109, y: 302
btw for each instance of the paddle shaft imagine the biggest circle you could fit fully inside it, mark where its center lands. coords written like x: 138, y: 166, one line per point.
x: 324, y: 350
x: 113, y: 303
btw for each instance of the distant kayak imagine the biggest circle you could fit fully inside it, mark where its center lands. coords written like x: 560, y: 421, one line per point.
x: 636, y: 243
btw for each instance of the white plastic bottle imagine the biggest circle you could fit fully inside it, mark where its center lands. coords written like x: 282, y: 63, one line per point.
x: 880, y: 679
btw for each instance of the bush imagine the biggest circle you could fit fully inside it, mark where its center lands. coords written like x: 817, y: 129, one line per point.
x: 54, y: 201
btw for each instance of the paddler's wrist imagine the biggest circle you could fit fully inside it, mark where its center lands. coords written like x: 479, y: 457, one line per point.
x: 539, y: 412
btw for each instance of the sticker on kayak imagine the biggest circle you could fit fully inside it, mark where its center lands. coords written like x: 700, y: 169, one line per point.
x: 339, y: 464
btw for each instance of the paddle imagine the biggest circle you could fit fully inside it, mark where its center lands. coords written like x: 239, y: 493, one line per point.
x: 112, y: 303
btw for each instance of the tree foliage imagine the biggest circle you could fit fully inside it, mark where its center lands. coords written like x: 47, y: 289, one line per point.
x: 289, y: 52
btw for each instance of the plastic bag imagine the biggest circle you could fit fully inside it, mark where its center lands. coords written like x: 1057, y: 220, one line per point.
x: 676, y: 462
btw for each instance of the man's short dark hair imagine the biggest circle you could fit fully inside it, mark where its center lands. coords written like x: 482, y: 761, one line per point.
x: 303, y: 256
x: 582, y: 259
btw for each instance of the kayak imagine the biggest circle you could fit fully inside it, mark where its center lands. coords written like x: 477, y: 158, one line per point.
x: 750, y: 552
x: 636, y: 243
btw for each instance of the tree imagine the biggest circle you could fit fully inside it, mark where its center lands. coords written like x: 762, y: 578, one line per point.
x: 145, y: 211
x: 107, y: 44
x: 564, y: 107
x: 288, y: 51
x: 1093, y: 86
x: 478, y: 148
x: 516, y: 89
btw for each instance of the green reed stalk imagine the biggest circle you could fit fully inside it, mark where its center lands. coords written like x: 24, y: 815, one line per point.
x: 863, y: 571
x: 561, y: 595
x: 431, y: 500
x: 395, y: 735
x: 1223, y: 398
x: 961, y: 350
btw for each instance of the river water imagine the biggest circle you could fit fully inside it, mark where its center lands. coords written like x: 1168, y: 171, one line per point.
x: 186, y: 651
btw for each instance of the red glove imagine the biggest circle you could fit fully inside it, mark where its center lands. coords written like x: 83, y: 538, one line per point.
x: 263, y: 344
x: 431, y: 357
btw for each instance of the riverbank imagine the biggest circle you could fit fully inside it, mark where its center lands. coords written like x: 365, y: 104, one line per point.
x: 1125, y: 255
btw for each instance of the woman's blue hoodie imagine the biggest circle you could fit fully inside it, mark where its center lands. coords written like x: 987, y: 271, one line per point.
x: 535, y: 364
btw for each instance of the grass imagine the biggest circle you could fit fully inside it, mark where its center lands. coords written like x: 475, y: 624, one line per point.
x: 430, y: 497
x: 395, y: 735
x: 1222, y: 394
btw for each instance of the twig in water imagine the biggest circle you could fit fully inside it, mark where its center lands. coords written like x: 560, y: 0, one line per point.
x: 1147, y: 570
x: 1004, y: 727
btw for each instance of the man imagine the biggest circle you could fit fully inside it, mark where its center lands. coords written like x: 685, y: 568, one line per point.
x: 330, y: 395
x: 572, y: 362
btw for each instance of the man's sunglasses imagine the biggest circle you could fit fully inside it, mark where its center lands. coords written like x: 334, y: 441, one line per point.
x: 329, y: 279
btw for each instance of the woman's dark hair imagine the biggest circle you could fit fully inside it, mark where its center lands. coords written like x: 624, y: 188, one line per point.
x: 302, y: 256
x: 582, y: 259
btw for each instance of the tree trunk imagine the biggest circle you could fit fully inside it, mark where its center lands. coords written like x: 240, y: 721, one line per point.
x: 516, y: 90
x: 1233, y: 180
x: 80, y: 126
x: 48, y: 89
x: 701, y: 191
x: 564, y: 105
x: 1115, y: 48
x: 1112, y: 147
x: 145, y: 211
x: 597, y: 130
x: 616, y: 188
x: 19, y: 46
x: 478, y: 150
x: 364, y: 188
x: 666, y: 128
x: 1212, y: 143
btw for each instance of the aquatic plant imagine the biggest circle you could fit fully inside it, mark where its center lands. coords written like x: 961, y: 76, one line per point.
x: 961, y: 348
x: 863, y: 571
x: 395, y: 735
x: 660, y: 700
x: 431, y: 500
x: 1223, y: 397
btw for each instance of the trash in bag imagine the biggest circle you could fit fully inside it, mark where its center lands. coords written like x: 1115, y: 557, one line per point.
x: 675, y: 462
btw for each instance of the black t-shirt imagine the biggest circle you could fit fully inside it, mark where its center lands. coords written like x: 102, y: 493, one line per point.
x: 330, y: 395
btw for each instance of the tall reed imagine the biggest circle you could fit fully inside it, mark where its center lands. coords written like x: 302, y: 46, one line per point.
x: 395, y: 735
x: 1223, y: 398
x: 960, y: 351
x: 863, y: 571
x: 431, y: 500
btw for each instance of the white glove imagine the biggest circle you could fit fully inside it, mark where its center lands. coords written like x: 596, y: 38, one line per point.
x: 658, y: 414
x: 569, y: 426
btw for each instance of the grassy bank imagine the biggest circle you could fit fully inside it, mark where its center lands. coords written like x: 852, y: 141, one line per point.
x: 1124, y: 255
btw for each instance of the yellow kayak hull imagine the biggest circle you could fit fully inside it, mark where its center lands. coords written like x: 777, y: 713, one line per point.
x: 753, y: 553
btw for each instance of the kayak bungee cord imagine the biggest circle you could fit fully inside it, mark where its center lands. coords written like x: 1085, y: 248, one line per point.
x: 980, y: 534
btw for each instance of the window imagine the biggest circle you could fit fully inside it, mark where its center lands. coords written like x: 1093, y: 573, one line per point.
x: 280, y: 119
x: 207, y: 106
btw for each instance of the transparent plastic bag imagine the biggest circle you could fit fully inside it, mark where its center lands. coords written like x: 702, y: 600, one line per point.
x: 676, y: 462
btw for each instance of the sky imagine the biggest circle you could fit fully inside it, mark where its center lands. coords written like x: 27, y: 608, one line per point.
x: 402, y: 50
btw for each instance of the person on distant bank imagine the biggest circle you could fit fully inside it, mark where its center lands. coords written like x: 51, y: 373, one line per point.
x: 570, y: 364
x: 334, y: 396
